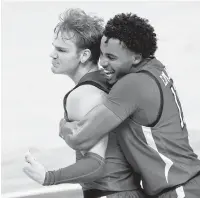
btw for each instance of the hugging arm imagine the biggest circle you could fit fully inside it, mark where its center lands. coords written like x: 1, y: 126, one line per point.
x: 120, y: 103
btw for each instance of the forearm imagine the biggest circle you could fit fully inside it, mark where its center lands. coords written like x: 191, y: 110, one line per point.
x: 87, y: 169
x: 87, y: 132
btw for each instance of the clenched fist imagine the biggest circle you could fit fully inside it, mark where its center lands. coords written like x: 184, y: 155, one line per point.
x: 34, y: 169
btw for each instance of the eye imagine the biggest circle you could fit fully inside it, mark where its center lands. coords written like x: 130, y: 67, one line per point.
x: 60, y: 50
x: 111, y: 58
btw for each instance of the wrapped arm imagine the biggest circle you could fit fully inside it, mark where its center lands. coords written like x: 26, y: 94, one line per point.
x: 121, y: 102
x: 87, y: 132
x: 87, y: 169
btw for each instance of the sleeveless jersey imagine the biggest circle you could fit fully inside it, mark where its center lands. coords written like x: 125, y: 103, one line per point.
x: 118, y: 174
x: 160, y: 152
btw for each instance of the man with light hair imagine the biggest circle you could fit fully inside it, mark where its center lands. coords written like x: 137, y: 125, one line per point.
x: 102, y: 170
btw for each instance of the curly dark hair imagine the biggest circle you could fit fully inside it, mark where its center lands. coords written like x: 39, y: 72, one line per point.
x: 135, y: 33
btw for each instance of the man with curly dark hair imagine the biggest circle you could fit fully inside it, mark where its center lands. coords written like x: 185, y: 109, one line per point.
x: 144, y: 106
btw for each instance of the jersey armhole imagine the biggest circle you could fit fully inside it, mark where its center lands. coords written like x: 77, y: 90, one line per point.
x: 161, y: 97
x: 89, y: 82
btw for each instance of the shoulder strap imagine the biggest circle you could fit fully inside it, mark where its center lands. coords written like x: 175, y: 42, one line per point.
x: 161, y: 96
x: 88, y: 82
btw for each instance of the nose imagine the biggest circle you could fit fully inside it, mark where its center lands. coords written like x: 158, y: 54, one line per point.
x: 53, y: 54
x: 103, y: 62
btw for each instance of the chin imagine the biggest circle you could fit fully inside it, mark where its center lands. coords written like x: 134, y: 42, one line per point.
x: 55, y: 71
x: 52, y: 69
x: 112, y: 81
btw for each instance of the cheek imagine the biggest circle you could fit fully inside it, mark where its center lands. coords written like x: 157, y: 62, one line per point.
x: 60, y: 58
x: 116, y: 65
x: 65, y: 61
x: 119, y: 67
x: 122, y: 69
x: 126, y: 66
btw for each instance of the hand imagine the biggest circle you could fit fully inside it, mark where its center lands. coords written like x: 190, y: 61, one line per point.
x: 66, y: 128
x: 34, y: 169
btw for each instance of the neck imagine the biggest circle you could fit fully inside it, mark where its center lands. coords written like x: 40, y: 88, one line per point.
x: 139, y: 66
x: 83, y: 70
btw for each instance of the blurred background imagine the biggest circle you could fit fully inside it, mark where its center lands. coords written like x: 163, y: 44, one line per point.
x: 32, y: 95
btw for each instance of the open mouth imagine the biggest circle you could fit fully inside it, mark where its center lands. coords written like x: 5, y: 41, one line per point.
x: 108, y: 74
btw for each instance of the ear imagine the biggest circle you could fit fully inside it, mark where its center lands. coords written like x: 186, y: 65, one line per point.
x: 137, y: 58
x: 85, y: 55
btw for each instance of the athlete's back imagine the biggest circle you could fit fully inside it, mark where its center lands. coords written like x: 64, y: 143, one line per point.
x: 161, y: 152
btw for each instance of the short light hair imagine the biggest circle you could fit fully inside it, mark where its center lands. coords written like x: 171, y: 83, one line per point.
x: 86, y: 30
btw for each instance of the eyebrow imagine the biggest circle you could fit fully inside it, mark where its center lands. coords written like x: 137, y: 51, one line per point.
x: 108, y: 54
x: 58, y: 47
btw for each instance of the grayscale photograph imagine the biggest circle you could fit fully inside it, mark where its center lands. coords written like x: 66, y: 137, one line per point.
x: 100, y: 99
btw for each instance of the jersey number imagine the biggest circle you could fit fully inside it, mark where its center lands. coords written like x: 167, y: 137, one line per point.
x: 178, y: 104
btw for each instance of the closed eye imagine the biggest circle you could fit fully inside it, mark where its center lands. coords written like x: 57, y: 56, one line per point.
x: 111, y: 57
x: 60, y: 49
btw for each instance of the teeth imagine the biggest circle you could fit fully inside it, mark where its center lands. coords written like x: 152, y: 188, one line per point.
x: 108, y: 75
x: 107, y: 72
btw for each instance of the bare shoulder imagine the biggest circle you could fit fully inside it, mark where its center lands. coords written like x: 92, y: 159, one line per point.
x: 83, y: 99
x: 87, y: 92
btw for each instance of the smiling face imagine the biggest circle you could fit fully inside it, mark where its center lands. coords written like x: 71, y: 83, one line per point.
x: 65, y: 56
x: 115, y: 59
